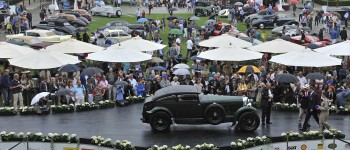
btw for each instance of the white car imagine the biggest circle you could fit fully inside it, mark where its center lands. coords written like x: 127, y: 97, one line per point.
x: 43, y: 35
x: 116, y: 36
x: 106, y: 11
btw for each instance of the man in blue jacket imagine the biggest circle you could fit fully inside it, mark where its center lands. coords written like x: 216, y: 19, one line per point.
x: 333, y: 34
x: 5, y: 83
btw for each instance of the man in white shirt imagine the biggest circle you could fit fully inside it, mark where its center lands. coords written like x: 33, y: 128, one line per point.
x: 178, y: 41
x: 138, y: 14
x: 132, y: 81
x: 189, y: 46
x: 346, y: 17
x: 302, y: 79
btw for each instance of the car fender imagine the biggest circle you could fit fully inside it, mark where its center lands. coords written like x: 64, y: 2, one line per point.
x: 241, y: 111
x: 158, y: 108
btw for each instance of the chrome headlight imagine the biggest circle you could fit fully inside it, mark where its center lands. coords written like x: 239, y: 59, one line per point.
x: 246, y: 101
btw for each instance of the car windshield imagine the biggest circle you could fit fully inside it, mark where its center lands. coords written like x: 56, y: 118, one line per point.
x: 66, y: 24
x: 262, y: 13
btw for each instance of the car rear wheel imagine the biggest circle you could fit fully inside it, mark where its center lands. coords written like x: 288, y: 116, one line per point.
x: 160, y: 121
x: 119, y: 13
x: 262, y: 26
x: 214, y: 114
x: 249, y: 121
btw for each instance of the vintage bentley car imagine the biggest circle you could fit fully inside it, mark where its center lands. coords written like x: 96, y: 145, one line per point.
x: 184, y: 104
x: 106, y: 11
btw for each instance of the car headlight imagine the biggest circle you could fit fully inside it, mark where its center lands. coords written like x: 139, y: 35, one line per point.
x: 247, y: 102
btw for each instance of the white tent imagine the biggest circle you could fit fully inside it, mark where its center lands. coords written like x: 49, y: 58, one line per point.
x: 74, y: 46
x: 339, y: 49
x: 306, y: 58
x: 230, y: 54
x: 225, y: 40
x: 8, y: 50
x: 139, y: 44
x: 277, y: 46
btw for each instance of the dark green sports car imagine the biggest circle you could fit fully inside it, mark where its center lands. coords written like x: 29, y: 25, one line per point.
x: 184, y: 104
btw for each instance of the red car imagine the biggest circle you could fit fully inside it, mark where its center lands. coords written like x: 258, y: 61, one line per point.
x: 310, y: 39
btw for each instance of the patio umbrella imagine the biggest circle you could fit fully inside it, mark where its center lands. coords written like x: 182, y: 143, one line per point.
x: 175, y: 31
x: 172, y: 9
x: 195, y: 18
x: 197, y: 67
x: 43, y: 59
x: 230, y: 54
x: 249, y: 69
x: 238, y: 4
x: 181, y: 66
x: 8, y: 50
x: 74, y: 46
x: 225, y: 40
x: 117, y: 53
x: 141, y: 20
x: 63, y: 92
x: 294, y: 1
x: 155, y: 60
x: 158, y: 68
x: 37, y: 97
x: 181, y: 72
x: 139, y: 44
x: 91, y: 71
x: 339, y: 49
x: 286, y: 78
x: 277, y: 46
x: 69, y: 68
x: 315, y: 76
x: 306, y: 58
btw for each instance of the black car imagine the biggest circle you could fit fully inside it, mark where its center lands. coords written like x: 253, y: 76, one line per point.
x: 57, y: 25
x: 114, y: 24
x: 260, y: 14
x: 76, y: 23
x: 248, y: 11
x: 267, y: 22
x: 78, y: 16
x: 184, y: 104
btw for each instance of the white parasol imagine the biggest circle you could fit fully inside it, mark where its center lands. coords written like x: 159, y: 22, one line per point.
x: 74, y: 46
x: 139, y: 44
x: 225, y: 40
x: 277, y: 46
x: 8, y: 50
x: 230, y: 54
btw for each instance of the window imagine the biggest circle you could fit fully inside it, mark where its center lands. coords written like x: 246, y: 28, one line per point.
x: 33, y: 34
x: 188, y: 97
x: 114, y: 34
x: 171, y: 98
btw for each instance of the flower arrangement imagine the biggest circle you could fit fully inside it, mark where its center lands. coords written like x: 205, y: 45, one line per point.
x: 291, y: 136
x: 343, y: 110
x: 329, y: 134
x: 135, y: 99
x: 85, y: 107
x: 62, y: 109
x: 332, y: 109
x: 180, y: 147
x: 124, y: 145
x: 11, y: 136
x: 250, y: 142
x: 106, y: 104
x: 37, y: 137
x: 205, y: 146
x: 27, y: 110
x: 65, y: 137
x: 312, y: 135
x: 156, y: 147
x: 100, y: 141
x: 7, y: 111
x: 285, y: 107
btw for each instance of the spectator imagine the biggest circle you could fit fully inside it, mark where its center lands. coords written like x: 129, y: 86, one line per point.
x: 16, y: 90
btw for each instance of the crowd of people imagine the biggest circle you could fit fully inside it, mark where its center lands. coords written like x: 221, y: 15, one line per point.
x: 18, y: 21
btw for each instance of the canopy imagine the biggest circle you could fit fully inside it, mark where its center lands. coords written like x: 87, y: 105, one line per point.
x: 74, y: 46
x: 181, y: 66
x: 8, y: 50
x: 339, y: 49
x: 230, y: 54
x: 139, y: 44
x: 117, y: 53
x: 225, y: 40
x: 43, y: 60
x: 306, y: 58
x: 277, y: 46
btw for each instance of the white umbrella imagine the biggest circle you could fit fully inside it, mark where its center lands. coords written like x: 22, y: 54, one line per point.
x: 139, y: 44
x: 43, y: 60
x: 8, y: 50
x: 117, y: 53
x: 74, y: 46
x: 277, y: 46
x: 306, y: 58
x: 339, y: 49
x: 225, y: 40
x: 181, y: 72
x: 181, y: 66
x: 230, y: 54
x: 37, y: 97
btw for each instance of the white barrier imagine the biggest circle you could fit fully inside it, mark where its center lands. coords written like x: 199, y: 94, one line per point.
x: 47, y: 146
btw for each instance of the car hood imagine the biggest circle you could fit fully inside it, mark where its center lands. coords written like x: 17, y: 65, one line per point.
x: 220, y: 99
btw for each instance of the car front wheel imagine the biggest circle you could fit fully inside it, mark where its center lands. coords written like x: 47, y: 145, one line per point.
x: 249, y: 121
x: 214, y: 114
x: 119, y: 13
x: 262, y: 26
x: 160, y: 121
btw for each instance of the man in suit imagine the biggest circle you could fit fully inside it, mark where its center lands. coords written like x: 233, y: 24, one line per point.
x: 303, y: 102
x: 311, y: 110
x: 266, y: 103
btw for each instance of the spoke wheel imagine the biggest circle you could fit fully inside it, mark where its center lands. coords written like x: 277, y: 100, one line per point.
x: 160, y: 121
x: 249, y: 121
x: 214, y: 114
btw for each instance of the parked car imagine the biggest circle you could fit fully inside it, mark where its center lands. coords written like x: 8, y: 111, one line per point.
x: 71, y: 19
x: 267, y: 22
x: 3, y: 4
x: 64, y: 27
x: 203, y: 8
x: 225, y: 11
x: 106, y: 11
x: 28, y: 41
x: 248, y: 11
x: 290, y: 30
x: 83, y: 13
x: 124, y: 28
x: 112, y: 24
x: 43, y: 35
x: 311, y: 39
x: 260, y: 14
x: 116, y: 36
x: 184, y: 104
x: 78, y: 16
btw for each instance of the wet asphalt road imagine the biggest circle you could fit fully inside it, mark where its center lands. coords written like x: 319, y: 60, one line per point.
x: 123, y: 123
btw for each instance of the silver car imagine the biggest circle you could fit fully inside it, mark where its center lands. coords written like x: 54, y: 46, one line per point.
x: 106, y: 11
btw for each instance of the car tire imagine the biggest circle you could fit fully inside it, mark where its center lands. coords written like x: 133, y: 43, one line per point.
x: 249, y: 121
x: 261, y: 26
x: 119, y: 13
x: 214, y: 114
x: 160, y: 121
x: 109, y: 15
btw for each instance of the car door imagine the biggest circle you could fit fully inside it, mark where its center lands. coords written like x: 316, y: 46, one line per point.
x: 188, y: 106
x: 114, y: 37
